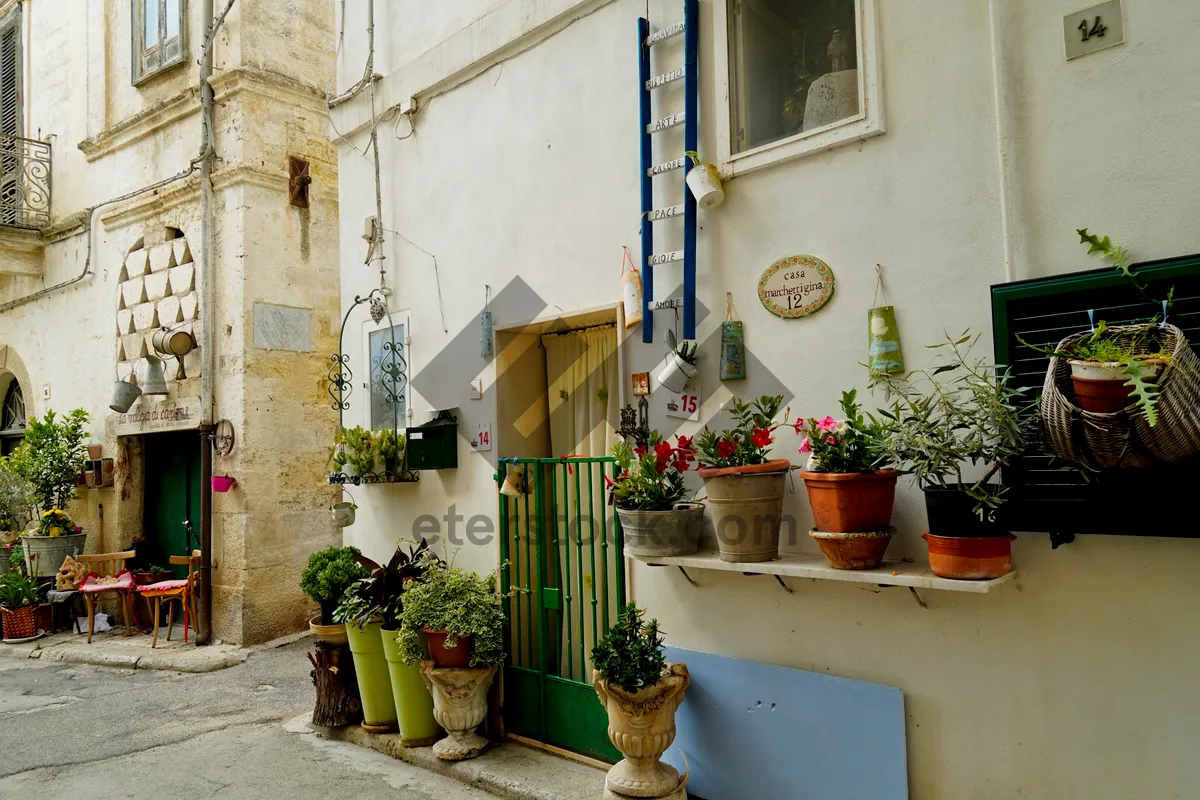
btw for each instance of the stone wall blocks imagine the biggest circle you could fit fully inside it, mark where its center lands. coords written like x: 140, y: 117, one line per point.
x: 134, y: 345
x: 170, y: 311
x: 183, y: 279
x: 124, y: 322
x: 183, y: 253
x: 162, y: 256
x: 133, y: 291
x: 190, y: 303
x: 145, y: 317
x: 137, y: 264
x: 158, y: 285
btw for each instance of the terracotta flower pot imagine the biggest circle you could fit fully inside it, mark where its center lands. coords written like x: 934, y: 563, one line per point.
x: 970, y: 557
x: 862, y: 550
x: 447, y: 657
x: 641, y: 725
x: 1101, y: 387
x: 746, y: 504
x: 851, y: 502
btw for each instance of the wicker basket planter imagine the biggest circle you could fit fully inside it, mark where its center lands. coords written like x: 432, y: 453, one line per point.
x: 1124, y: 438
x: 20, y: 623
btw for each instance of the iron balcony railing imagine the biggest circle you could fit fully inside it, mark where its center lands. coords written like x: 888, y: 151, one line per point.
x: 24, y: 182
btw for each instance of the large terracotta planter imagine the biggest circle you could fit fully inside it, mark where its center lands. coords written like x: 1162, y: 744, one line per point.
x: 45, y: 554
x: 374, y: 679
x: 641, y: 725
x: 851, y: 502
x: 414, y: 705
x: 447, y: 657
x: 859, y: 550
x: 662, y: 533
x: 970, y: 558
x: 746, y: 504
x: 460, y: 704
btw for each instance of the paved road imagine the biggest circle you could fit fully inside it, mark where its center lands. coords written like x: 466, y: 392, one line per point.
x: 70, y: 732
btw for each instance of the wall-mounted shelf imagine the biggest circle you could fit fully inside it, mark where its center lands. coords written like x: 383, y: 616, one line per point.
x: 914, y: 576
x: 341, y: 478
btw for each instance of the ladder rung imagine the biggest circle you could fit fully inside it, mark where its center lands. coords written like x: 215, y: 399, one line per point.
x: 664, y: 123
x: 666, y: 167
x: 664, y: 34
x: 665, y: 213
x: 665, y: 78
x: 665, y: 258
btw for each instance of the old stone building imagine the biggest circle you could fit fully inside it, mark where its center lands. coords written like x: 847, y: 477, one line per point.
x: 103, y: 243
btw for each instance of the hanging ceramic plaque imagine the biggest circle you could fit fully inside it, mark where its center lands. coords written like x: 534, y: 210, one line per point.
x: 883, y: 340
x: 796, y: 286
x: 733, y: 345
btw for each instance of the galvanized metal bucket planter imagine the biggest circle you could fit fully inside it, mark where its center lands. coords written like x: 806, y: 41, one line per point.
x: 374, y: 680
x: 45, y: 554
x: 746, y: 504
x: 663, y: 533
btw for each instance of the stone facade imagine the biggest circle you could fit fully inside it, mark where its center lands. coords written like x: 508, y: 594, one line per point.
x: 110, y: 138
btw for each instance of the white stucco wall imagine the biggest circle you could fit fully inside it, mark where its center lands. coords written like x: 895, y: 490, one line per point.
x: 1075, y: 682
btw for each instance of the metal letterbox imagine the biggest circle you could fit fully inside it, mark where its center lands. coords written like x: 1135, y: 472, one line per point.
x: 433, y: 445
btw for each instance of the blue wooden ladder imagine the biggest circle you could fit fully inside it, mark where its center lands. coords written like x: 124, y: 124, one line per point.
x: 689, y: 73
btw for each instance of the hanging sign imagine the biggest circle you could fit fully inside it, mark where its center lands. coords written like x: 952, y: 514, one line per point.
x: 796, y: 286
x: 685, y: 405
x: 481, y: 437
x: 181, y: 414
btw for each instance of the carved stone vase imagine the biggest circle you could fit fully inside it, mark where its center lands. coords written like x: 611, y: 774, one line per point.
x: 641, y: 725
x: 460, y: 704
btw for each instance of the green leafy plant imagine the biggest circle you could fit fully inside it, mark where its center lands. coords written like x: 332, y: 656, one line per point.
x: 51, y: 457
x: 688, y: 352
x: 354, y: 447
x: 379, y: 596
x: 16, y: 558
x: 18, y: 590
x: 631, y: 653
x: 958, y: 412
x: 328, y: 574
x: 461, y: 603
x: 16, y: 500
x: 651, y: 477
x: 750, y: 438
x: 390, y: 444
x: 851, y: 444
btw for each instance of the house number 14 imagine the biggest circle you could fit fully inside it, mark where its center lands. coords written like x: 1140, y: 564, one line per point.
x: 1097, y: 28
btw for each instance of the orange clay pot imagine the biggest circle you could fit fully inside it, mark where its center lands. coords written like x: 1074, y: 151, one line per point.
x: 851, y: 502
x: 970, y: 558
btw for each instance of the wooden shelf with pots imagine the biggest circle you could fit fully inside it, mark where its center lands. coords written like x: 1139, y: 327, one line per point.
x: 890, y: 573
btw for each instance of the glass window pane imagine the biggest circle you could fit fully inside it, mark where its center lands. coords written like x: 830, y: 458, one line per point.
x: 173, y: 18
x: 793, y: 67
x: 389, y: 376
x: 150, y: 23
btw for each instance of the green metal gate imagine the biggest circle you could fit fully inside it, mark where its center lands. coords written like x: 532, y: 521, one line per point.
x: 562, y: 549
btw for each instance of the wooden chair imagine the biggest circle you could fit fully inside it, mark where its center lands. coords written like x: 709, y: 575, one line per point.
x: 108, y: 565
x: 183, y: 590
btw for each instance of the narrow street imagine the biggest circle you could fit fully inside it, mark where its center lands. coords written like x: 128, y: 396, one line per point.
x: 77, y: 731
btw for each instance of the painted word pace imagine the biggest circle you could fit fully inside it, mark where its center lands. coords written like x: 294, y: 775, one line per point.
x: 796, y: 286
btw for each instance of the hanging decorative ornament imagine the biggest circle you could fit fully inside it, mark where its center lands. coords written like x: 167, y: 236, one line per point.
x: 796, y: 286
x: 378, y: 309
x: 487, y: 337
x: 733, y: 345
x: 631, y: 290
x: 883, y: 337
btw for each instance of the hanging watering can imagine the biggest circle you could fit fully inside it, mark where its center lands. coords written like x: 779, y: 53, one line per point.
x: 125, y: 393
x: 343, y: 514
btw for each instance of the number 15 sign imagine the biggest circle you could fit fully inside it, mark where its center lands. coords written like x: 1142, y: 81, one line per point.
x: 684, y: 406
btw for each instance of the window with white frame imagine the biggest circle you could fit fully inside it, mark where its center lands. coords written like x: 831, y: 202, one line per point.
x: 159, y: 36
x: 802, y: 76
x: 387, y: 357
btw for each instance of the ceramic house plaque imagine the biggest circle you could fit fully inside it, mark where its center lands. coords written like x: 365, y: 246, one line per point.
x: 796, y: 286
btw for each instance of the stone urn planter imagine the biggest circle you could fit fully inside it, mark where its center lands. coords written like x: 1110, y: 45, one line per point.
x: 642, y: 726
x: 662, y: 533
x: 460, y: 704
x: 747, y: 506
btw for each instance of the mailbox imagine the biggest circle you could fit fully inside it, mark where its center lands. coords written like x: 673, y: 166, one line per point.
x: 433, y: 445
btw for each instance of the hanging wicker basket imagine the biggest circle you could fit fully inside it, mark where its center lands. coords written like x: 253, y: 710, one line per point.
x: 1124, y: 438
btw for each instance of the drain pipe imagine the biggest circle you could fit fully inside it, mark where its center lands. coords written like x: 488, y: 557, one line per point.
x: 1003, y: 140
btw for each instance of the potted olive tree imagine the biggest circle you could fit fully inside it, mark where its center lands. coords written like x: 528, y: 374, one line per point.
x: 744, y: 487
x: 641, y: 692
x: 851, y: 496
x: 328, y: 574
x: 51, y: 460
x: 651, y: 500
x: 955, y: 416
x: 378, y: 601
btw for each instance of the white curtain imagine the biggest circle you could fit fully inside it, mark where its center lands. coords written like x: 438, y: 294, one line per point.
x: 581, y: 369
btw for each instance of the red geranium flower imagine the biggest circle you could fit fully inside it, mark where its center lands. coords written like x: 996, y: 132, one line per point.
x: 726, y: 448
x: 640, y: 450
x: 761, y: 437
x: 662, y: 451
x: 683, y: 443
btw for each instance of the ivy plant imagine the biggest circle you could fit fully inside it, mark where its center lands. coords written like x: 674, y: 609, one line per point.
x: 631, y: 653
x: 459, y: 602
x: 51, y: 457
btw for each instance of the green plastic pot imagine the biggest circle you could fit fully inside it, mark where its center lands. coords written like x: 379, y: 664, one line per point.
x: 374, y: 681
x: 414, y: 703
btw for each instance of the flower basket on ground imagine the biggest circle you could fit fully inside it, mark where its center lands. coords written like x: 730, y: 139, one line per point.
x: 851, y: 497
x: 744, y: 486
x: 641, y: 693
x: 651, y: 500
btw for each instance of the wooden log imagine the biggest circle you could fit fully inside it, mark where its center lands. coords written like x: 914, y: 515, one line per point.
x: 338, y: 704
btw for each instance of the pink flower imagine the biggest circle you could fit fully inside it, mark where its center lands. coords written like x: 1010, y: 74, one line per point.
x: 799, y: 426
x: 831, y: 439
x: 827, y: 424
x: 805, y: 446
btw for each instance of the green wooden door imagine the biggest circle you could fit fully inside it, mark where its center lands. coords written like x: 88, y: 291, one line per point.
x: 171, y: 515
x: 561, y: 548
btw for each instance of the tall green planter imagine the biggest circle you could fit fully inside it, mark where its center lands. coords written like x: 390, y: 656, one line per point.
x: 374, y: 682
x: 414, y: 703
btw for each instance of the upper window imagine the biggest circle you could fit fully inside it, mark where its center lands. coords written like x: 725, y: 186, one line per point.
x: 389, y: 376
x: 158, y: 36
x: 12, y: 419
x: 802, y: 77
